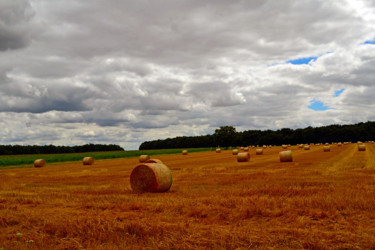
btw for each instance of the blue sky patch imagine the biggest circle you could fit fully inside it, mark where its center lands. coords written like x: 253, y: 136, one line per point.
x: 303, y: 60
x: 370, y: 42
x: 338, y: 92
x: 318, y: 106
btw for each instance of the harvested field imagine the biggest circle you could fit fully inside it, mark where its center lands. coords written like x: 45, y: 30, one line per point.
x: 320, y: 200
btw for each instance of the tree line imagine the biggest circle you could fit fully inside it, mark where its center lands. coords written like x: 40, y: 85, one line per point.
x: 227, y: 136
x: 52, y: 149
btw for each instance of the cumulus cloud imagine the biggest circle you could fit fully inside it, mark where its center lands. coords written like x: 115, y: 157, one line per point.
x: 124, y: 72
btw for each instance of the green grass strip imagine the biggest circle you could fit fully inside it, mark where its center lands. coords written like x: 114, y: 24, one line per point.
x: 24, y: 161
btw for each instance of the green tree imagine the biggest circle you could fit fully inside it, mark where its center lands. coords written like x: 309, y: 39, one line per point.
x: 225, y: 136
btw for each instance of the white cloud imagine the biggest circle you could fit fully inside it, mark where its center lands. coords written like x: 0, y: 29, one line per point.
x: 123, y: 72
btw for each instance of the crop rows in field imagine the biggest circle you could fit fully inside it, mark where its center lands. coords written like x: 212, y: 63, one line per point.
x: 321, y: 200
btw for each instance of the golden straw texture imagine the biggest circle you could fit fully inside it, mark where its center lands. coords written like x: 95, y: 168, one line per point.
x: 39, y: 163
x: 88, y: 160
x: 286, y: 156
x: 144, y: 158
x: 151, y: 177
x: 243, y: 157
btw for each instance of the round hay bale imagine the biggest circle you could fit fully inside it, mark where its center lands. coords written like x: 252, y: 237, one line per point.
x: 243, y: 157
x: 326, y: 148
x: 361, y: 147
x: 235, y: 152
x: 218, y: 150
x: 151, y: 177
x: 184, y: 152
x: 39, y: 163
x: 154, y: 161
x: 242, y: 148
x: 88, y: 160
x: 286, y: 156
x: 144, y: 158
x: 259, y: 151
x: 327, y: 144
x: 264, y: 146
x: 246, y: 149
x: 339, y: 144
x: 300, y: 146
x: 306, y: 147
x: 284, y: 146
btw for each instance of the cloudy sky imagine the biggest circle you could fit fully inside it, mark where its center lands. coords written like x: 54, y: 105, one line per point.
x: 127, y: 71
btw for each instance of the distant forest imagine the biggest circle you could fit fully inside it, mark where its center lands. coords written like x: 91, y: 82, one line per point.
x: 227, y: 136
x: 51, y: 149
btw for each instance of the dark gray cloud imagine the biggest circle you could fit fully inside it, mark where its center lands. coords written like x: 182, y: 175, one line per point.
x: 14, y: 19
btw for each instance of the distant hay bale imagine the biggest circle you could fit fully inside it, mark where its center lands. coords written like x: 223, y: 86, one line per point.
x: 286, y: 156
x: 327, y: 144
x: 300, y: 146
x: 361, y: 147
x: 235, y: 152
x: 39, y: 163
x: 151, y: 177
x: 259, y: 151
x: 154, y: 161
x: 306, y: 147
x: 284, y: 146
x: 326, y: 148
x: 243, y: 157
x: 339, y: 144
x: 218, y: 150
x: 184, y: 152
x: 88, y: 160
x: 264, y: 146
x: 242, y: 148
x: 144, y: 158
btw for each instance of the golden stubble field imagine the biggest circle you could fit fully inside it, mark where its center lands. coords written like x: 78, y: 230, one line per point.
x: 320, y: 200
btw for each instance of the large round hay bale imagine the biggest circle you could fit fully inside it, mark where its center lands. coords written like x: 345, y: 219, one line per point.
x: 144, y: 158
x: 39, y: 163
x: 243, y: 157
x: 246, y: 149
x: 259, y: 151
x: 235, y: 152
x: 242, y: 148
x: 284, y: 146
x: 286, y: 156
x: 306, y: 147
x: 300, y: 146
x: 151, y: 177
x: 339, y: 144
x: 218, y: 150
x: 361, y: 147
x: 184, y: 152
x: 154, y: 161
x: 88, y: 160
x: 326, y: 148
